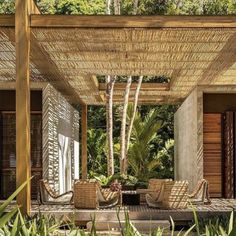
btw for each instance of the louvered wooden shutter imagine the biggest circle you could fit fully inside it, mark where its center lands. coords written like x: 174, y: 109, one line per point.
x: 212, y: 152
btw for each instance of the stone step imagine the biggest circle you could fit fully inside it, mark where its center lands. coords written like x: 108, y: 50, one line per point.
x: 140, y: 225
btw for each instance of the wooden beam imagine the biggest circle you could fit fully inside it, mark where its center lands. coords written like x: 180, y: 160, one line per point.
x: 84, y: 141
x: 12, y: 85
x: 145, y: 102
x: 23, y: 166
x: 95, y: 87
x: 104, y: 21
x: 7, y: 20
x: 144, y: 87
x: 157, y: 101
x: 141, y: 96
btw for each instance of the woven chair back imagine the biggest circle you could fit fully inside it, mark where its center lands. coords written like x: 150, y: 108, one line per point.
x: 86, y: 194
x: 175, y: 195
x: 155, y: 184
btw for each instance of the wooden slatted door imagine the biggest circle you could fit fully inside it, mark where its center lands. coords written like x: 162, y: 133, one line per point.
x: 229, y: 154
x: 212, y: 152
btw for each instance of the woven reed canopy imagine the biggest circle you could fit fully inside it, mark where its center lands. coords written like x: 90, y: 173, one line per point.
x: 71, y: 51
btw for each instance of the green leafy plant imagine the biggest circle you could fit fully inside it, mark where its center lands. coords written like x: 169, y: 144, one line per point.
x: 142, y: 163
x: 5, y: 217
x: 125, y: 180
x: 97, y: 159
x: 103, y: 180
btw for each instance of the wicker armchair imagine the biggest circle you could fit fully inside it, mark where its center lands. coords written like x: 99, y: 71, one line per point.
x: 154, y: 187
x: 173, y: 195
x: 88, y: 194
x: 48, y: 196
x: 201, y: 194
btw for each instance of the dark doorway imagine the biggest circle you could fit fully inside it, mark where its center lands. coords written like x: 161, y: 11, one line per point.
x: 8, y: 142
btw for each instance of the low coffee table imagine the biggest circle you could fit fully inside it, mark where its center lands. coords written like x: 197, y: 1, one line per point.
x: 130, y: 197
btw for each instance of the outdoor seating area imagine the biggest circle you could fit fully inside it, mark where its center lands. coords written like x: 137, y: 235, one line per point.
x: 161, y: 193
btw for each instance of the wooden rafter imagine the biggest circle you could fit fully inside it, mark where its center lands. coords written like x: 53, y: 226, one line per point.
x: 33, y: 85
x: 95, y: 87
x: 103, y: 21
x: 144, y: 87
x: 7, y: 20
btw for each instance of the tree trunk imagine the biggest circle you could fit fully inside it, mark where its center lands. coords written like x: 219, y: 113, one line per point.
x: 124, y: 149
x: 117, y: 7
x: 123, y: 126
x: 109, y: 112
x: 108, y: 6
x: 109, y: 109
x: 130, y: 126
x: 135, y: 4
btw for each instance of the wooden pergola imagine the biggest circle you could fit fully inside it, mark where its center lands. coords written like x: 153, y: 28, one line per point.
x: 69, y: 51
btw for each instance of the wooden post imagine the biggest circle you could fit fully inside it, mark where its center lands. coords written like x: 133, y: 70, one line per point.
x: 84, y: 141
x: 22, y: 37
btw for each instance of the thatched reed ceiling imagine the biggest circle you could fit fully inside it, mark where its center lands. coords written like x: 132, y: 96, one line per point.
x: 71, y: 58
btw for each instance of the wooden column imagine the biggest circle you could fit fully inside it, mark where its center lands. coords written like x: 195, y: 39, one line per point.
x: 84, y: 141
x: 22, y: 37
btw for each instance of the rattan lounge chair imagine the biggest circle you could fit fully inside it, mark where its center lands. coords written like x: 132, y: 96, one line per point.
x: 154, y: 187
x: 201, y: 194
x: 47, y: 196
x: 88, y: 194
x: 173, y: 195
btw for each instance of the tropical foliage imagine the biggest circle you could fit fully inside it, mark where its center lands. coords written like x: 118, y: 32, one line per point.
x: 142, y: 163
x: 151, y: 149
x: 96, y: 139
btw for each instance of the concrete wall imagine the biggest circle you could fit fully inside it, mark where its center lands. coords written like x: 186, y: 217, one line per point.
x: 189, y: 130
x: 186, y: 140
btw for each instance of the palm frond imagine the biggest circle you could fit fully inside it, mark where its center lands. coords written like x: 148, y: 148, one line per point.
x: 143, y: 133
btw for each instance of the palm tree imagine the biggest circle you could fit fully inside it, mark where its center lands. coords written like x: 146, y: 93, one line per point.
x: 141, y: 161
x: 96, y: 150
